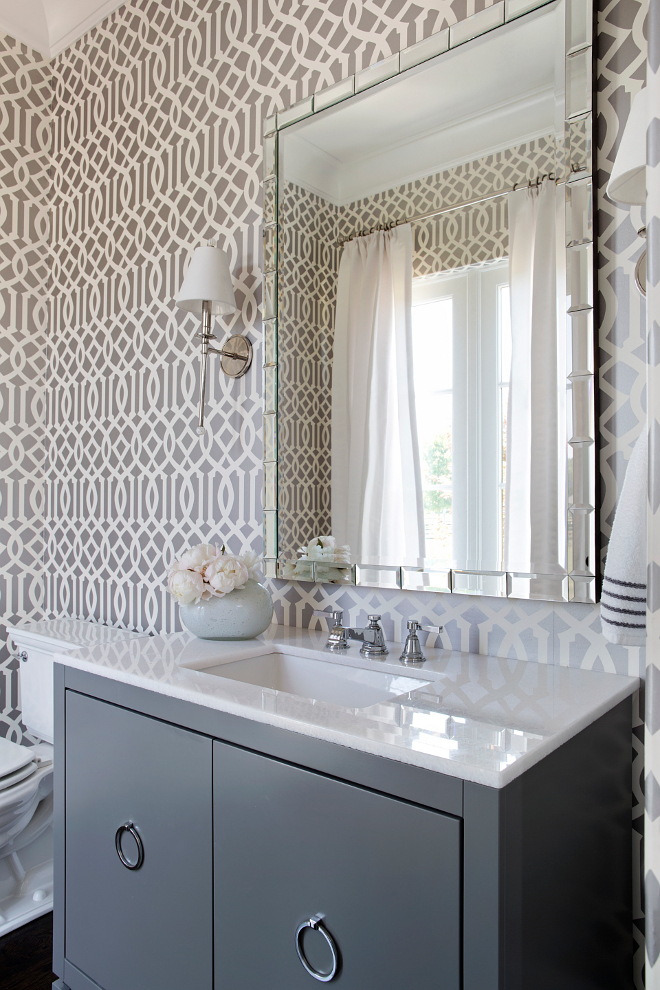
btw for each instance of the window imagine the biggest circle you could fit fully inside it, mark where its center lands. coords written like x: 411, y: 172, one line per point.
x: 504, y: 374
x: 462, y: 357
x: 433, y: 373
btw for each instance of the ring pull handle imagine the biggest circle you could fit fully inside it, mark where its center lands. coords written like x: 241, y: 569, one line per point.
x: 317, y: 925
x: 131, y: 829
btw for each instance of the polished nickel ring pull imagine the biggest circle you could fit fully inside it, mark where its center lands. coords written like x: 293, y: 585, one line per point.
x: 318, y: 926
x: 129, y: 827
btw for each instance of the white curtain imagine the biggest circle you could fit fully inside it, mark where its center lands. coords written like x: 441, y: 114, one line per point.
x: 377, y: 505
x: 535, y: 520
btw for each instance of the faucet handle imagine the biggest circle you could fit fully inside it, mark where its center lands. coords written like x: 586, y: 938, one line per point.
x: 415, y: 626
x: 412, y: 651
x: 336, y: 614
x: 337, y: 636
x: 373, y: 621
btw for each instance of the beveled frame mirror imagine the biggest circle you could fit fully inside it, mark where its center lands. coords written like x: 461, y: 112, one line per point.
x: 291, y: 499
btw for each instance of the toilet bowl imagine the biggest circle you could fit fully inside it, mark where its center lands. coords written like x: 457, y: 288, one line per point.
x: 24, y: 784
x: 26, y: 813
x: 26, y: 772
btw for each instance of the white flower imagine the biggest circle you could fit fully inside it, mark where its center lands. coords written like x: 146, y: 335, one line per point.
x: 252, y: 562
x: 198, y: 557
x: 325, y: 548
x: 205, y: 572
x: 225, y: 573
x: 186, y: 586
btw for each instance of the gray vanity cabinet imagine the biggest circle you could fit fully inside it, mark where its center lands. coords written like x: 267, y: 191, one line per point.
x: 259, y: 842
x: 151, y: 927
x: 291, y: 845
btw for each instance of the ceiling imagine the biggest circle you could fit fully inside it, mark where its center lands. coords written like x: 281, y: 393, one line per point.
x: 49, y: 26
x: 500, y: 90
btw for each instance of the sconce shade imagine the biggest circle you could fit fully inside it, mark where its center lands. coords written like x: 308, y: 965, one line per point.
x: 628, y: 181
x: 208, y: 279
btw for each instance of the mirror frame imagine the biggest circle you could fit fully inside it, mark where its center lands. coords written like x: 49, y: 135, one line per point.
x: 581, y: 583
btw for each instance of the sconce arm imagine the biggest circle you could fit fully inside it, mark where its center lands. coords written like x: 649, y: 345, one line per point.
x: 235, y: 357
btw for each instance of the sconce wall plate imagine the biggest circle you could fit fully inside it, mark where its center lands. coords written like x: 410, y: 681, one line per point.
x: 236, y: 356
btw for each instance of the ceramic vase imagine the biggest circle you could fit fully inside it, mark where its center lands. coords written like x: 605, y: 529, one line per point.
x: 241, y: 614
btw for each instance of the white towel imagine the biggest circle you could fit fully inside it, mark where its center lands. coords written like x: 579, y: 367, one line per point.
x: 623, y: 601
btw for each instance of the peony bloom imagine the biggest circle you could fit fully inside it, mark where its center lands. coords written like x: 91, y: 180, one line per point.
x: 225, y: 573
x: 252, y: 562
x: 205, y: 572
x: 186, y: 586
x: 198, y: 557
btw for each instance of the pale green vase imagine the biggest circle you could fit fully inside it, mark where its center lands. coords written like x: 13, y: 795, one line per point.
x: 241, y: 614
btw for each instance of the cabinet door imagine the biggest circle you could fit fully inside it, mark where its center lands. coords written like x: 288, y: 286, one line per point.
x: 291, y: 844
x: 148, y: 928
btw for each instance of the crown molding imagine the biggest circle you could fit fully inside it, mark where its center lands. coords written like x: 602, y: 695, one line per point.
x: 51, y: 26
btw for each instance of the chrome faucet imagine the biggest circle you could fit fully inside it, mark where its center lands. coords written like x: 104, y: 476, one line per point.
x: 412, y: 651
x: 337, y: 635
x: 372, y: 637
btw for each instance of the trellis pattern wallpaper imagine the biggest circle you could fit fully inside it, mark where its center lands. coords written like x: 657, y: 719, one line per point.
x: 307, y: 290
x: 652, y: 777
x: 622, y: 50
x: 156, y: 127
x: 25, y: 96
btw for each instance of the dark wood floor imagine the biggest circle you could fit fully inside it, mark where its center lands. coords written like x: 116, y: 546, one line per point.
x: 26, y: 956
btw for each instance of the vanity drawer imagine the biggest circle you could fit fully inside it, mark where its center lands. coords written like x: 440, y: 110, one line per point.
x: 149, y: 927
x: 291, y: 844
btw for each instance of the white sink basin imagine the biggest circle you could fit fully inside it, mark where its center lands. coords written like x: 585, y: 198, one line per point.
x: 318, y: 680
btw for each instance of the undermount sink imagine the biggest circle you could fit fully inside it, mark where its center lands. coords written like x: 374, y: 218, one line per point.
x: 318, y: 680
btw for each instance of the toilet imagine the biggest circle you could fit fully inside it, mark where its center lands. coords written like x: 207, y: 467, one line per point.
x: 26, y: 772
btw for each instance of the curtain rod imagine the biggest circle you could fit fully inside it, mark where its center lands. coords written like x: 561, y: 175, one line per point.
x: 448, y: 209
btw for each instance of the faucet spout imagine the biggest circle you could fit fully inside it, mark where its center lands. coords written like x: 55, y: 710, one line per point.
x: 372, y: 638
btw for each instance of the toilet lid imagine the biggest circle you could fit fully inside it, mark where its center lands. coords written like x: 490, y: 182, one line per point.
x: 13, y: 757
x: 17, y: 776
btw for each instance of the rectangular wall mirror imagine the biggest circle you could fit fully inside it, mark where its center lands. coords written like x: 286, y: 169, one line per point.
x: 429, y: 359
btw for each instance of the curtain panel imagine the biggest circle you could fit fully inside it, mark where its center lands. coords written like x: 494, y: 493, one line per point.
x: 536, y: 424
x: 376, y: 488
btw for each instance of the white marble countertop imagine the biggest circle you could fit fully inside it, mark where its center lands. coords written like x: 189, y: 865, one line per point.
x: 478, y: 718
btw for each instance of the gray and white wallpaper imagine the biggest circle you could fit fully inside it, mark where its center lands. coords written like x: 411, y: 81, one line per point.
x: 155, y: 118
x: 25, y: 99
x: 652, y: 736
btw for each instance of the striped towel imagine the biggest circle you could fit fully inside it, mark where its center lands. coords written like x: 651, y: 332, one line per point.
x: 623, y: 601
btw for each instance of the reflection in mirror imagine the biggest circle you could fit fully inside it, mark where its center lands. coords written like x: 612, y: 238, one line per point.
x: 422, y: 328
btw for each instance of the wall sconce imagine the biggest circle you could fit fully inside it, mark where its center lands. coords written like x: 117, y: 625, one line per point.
x: 208, y: 289
x: 628, y: 180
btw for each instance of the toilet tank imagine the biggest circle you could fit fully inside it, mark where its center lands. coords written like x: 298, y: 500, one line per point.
x: 37, y: 643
